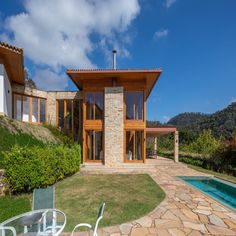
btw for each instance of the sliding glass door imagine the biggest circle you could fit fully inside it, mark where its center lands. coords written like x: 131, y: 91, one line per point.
x: 94, y: 145
x: 134, y: 145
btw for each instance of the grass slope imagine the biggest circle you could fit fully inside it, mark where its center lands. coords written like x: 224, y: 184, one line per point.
x: 8, y: 140
x: 217, y: 174
x: 12, y: 206
x: 127, y: 198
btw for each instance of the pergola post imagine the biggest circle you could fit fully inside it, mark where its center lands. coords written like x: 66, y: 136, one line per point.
x: 155, y: 145
x: 176, y: 146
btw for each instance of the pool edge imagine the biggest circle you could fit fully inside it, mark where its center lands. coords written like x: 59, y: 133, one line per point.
x: 206, y: 194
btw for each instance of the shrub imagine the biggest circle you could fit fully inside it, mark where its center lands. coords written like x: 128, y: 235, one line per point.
x: 8, y: 140
x: 29, y: 168
x: 224, y: 158
x: 205, y: 143
x: 60, y: 135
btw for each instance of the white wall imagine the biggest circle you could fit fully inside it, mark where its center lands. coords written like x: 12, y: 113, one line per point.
x: 1, y: 89
x: 5, y: 93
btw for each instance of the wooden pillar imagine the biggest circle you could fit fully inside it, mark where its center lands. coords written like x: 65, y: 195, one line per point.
x: 176, y: 146
x: 155, y: 145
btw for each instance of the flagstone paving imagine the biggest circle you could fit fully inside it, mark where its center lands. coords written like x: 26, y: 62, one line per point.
x: 185, y: 211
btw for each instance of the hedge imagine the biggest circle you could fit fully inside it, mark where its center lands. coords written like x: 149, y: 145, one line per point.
x: 223, y: 160
x: 28, y: 168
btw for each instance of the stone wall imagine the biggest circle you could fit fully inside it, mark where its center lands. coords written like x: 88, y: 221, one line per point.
x: 51, y: 97
x: 16, y: 88
x: 114, y: 126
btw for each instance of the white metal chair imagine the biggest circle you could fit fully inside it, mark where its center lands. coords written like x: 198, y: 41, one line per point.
x: 3, y: 230
x: 94, y: 229
x: 42, y: 222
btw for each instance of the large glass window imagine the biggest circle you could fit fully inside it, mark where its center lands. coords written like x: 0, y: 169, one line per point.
x: 61, y: 114
x: 68, y: 116
x: 17, y: 107
x: 89, y: 145
x: 35, y: 108
x: 94, y: 145
x: 94, y: 106
x: 98, y: 155
x: 78, y: 120
x: 26, y: 109
x: 42, y: 110
x: 77, y: 117
x: 89, y: 106
x: 29, y: 109
x: 98, y: 106
x: 134, y: 105
x: 134, y: 145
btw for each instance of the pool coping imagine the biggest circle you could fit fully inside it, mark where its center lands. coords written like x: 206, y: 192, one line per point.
x: 181, y: 178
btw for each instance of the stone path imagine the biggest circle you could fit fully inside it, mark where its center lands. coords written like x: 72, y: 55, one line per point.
x: 185, y: 211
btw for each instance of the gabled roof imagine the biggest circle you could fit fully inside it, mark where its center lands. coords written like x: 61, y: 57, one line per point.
x: 12, y: 59
x: 149, y: 75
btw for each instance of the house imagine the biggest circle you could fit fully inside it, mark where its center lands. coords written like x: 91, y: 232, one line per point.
x: 107, y: 115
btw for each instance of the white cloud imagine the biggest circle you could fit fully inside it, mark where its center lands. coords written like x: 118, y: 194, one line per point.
x: 166, y: 118
x: 232, y: 100
x: 60, y: 33
x: 48, y: 80
x: 169, y: 3
x: 161, y: 33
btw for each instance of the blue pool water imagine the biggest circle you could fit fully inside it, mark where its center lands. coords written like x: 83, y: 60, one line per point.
x: 220, y: 190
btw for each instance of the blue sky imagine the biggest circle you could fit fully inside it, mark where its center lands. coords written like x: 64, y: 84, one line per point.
x: 194, y: 42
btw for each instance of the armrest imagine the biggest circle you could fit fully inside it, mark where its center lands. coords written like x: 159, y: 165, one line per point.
x: 12, y: 229
x: 81, y: 225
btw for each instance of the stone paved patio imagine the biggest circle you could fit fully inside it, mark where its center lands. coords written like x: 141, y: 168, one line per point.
x: 185, y: 211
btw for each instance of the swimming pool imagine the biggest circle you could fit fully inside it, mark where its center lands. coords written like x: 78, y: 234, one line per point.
x: 220, y: 190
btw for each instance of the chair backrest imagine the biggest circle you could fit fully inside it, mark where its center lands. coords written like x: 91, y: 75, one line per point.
x: 100, y: 215
x: 43, y: 198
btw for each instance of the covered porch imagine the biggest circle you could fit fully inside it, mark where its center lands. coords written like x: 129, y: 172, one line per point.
x: 154, y: 132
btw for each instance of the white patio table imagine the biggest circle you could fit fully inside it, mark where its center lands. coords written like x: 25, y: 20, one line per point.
x: 42, y: 222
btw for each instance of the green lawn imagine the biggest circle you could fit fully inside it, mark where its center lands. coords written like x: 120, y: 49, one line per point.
x: 12, y: 206
x: 217, y: 174
x: 127, y: 197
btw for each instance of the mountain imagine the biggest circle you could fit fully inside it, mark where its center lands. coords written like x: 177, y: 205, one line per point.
x: 222, y: 123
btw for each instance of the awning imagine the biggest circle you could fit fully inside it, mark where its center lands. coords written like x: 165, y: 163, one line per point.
x: 12, y: 59
x: 148, y: 77
x: 160, y: 130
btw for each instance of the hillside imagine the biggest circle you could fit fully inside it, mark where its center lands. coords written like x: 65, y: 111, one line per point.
x: 38, y: 132
x: 222, y: 123
x: 24, y: 134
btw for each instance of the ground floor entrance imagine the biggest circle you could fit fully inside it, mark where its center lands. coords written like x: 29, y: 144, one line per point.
x: 134, y: 145
x: 134, y: 148
x: 94, y: 145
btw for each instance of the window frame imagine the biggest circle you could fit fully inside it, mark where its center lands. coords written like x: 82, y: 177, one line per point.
x: 94, y: 106
x: 94, y: 141
x: 143, y: 145
x: 30, y: 107
x: 65, y: 101
x: 71, y: 131
x: 125, y: 107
